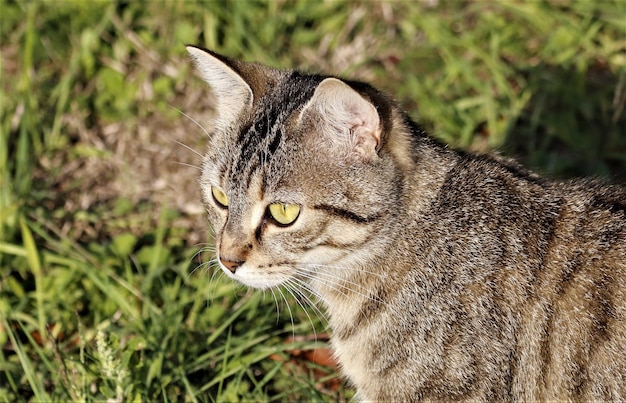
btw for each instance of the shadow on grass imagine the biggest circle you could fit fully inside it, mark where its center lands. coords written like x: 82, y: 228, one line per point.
x: 574, y: 124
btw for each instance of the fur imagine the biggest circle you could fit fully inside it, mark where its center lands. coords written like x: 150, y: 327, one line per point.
x: 446, y: 275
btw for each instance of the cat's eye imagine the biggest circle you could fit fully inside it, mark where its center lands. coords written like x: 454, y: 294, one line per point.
x: 219, y: 196
x: 284, y: 213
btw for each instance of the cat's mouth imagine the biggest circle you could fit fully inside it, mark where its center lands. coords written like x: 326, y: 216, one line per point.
x: 256, y: 276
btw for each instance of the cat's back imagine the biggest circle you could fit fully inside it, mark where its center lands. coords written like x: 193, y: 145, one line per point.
x: 558, y: 261
x: 494, y: 199
x: 574, y: 324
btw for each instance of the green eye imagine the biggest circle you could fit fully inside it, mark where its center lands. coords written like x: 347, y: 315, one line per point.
x: 219, y: 196
x: 284, y: 214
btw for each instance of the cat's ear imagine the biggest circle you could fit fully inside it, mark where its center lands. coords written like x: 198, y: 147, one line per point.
x: 346, y: 119
x: 233, y: 93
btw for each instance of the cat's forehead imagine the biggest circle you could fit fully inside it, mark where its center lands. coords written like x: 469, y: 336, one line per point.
x: 267, y: 145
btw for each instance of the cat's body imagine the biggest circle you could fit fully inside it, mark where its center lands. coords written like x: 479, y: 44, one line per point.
x: 446, y: 276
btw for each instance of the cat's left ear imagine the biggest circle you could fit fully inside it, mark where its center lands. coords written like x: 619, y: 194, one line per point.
x: 346, y: 119
x: 234, y: 95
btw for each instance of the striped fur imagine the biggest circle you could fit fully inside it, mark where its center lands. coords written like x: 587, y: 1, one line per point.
x: 445, y: 275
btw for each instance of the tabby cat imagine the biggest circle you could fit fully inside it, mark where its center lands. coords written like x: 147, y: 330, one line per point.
x: 446, y: 275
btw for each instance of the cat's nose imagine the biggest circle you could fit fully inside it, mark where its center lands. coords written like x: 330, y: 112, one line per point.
x: 230, y: 264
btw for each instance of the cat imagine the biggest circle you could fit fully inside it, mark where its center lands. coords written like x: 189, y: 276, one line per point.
x: 445, y: 275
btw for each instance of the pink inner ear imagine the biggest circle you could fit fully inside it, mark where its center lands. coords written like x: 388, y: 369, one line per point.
x: 352, y: 123
x: 365, y: 137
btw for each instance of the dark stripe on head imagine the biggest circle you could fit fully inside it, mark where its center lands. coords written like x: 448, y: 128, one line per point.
x: 275, y: 142
x: 262, y: 138
x: 346, y: 214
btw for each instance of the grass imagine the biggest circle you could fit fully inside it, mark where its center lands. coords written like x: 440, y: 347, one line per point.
x: 104, y: 293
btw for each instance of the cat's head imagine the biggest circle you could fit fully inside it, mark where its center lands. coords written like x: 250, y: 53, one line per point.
x: 298, y: 179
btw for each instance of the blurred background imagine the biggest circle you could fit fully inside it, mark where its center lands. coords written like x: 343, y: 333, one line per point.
x: 105, y: 292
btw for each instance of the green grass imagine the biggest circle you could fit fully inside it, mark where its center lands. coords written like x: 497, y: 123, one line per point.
x: 104, y: 290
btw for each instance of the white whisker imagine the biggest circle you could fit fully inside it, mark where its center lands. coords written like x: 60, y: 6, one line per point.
x: 213, y: 280
x: 342, y: 286
x: 293, y: 332
x: 186, y: 146
x: 188, y: 165
x: 351, y: 269
x: 277, y: 305
x: 192, y: 119
x: 291, y: 289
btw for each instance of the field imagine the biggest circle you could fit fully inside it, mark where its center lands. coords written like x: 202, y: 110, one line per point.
x: 105, y: 289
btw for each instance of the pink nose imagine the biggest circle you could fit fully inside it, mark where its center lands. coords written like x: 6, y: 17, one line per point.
x: 230, y: 265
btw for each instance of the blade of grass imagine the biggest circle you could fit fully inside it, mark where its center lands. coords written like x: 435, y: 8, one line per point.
x: 27, y: 365
x: 11, y: 249
x: 258, y: 386
x: 28, y: 142
x: 64, y: 87
x: 190, y: 394
x: 95, y: 270
x: 222, y: 377
x: 113, y: 293
x: 34, y: 262
x: 158, y: 251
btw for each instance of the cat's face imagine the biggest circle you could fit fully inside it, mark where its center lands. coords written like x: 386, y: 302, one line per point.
x: 294, y: 185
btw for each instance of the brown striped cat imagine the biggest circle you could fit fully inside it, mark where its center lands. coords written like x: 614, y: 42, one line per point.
x: 446, y: 275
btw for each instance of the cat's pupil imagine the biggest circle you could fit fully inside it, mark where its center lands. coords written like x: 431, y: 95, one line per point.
x: 283, y: 213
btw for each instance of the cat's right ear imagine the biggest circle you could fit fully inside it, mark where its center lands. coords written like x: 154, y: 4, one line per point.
x: 233, y: 93
x: 346, y: 121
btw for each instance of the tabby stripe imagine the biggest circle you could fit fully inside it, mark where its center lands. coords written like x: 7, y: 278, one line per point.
x: 604, y: 311
x: 275, y: 142
x: 545, y: 339
x: 568, y: 274
x: 348, y: 215
x: 608, y: 205
x: 551, y: 220
x: 253, y: 140
x: 370, y: 309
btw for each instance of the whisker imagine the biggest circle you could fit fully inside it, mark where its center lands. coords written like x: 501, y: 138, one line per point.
x: 193, y: 120
x: 186, y: 146
x: 213, y: 280
x: 291, y: 289
x: 199, y: 266
x: 327, y: 280
x: 340, y: 289
x: 206, y: 248
x: 293, y: 331
x: 360, y: 269
x: 277, y: 306
x: 188, y: 165
x: 195, y: 255
x: 312, y: 268
x: 298, y: 286
x: 298, y: 283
